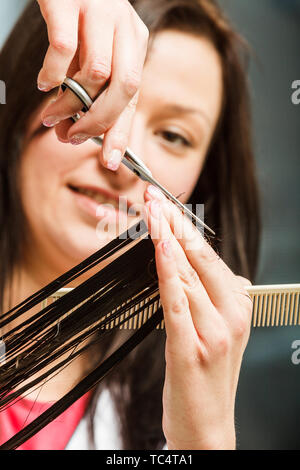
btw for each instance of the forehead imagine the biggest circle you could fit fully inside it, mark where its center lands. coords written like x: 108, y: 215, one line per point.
x: 185, y: 69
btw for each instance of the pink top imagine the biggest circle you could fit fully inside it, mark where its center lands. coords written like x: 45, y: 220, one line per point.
x: 55, y: 436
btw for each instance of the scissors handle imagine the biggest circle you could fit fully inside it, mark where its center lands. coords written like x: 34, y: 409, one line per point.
x: 129, y: 159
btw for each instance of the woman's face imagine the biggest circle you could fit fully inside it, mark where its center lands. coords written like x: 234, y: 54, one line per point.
x: 65, y: 188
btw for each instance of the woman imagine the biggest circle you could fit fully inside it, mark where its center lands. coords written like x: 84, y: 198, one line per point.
x: 191, y: 126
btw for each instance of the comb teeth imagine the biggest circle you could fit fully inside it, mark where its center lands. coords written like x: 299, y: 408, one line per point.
x: 276, y: 305
x: 273, y: 305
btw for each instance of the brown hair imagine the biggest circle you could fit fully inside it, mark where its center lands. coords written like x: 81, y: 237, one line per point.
x: 227, y: 185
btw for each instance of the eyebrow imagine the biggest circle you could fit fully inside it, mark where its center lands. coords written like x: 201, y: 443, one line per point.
x: 179, y: 109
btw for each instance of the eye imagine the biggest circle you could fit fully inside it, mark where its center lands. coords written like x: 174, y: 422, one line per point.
x: 174, y: 138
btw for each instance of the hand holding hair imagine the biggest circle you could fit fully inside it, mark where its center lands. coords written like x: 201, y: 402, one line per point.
x: 207, y: 320
x: 99, y: 44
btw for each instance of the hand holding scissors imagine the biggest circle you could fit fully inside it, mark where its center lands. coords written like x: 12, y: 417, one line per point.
x: 96, y: 43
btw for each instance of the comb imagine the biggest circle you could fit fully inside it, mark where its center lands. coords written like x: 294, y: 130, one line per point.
x: 273, y: 305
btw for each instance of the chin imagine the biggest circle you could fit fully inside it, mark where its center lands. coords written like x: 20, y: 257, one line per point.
x: 86, y: 242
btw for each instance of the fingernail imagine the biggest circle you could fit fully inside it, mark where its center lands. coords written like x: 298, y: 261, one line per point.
x: 63, y: 141
x: 114, y: 160
x: 155, y: 192
x: 78, y: 139
x: 44, y: 86
x: 167, y: 249
x: 155, y: 209
x: 51, y: 121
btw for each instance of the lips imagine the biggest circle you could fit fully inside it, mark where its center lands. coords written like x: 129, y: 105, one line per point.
x: 101, y: 199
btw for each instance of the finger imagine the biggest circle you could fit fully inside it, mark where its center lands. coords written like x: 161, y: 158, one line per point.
x: 183, y: 226
x: 96, y: 50
x: 215, y: 275
x: 189, y: 277
x: 205, y: 317
x: 208, y: 325
x: 244, y: 281
x: 63, y: 41
x: 96, y: 57
x: 63, y: 126
x: 218, y: 280
x: 245, y: 297
x: 178, y: 322
x: 115, y: 140
x: 127, y: 64
x: 62, y: 130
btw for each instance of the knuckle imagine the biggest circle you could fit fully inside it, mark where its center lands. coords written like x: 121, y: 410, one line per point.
x: 208, y: 257
x: 245, y: 299
x: 178, y: 306
x: 143, y: 31
x: 240, y: 328
x: 141, y: 27
x: 98, y: 70
x: 221, y: 344
x: 63, y: 45
x: 45, y: 8
x: 146, y: 32
x: 130, y: 83
x: 100, y: 127
x: 190, y: 278
x: 118, y: 139
x: 96, y: 126
x: 244, y: 281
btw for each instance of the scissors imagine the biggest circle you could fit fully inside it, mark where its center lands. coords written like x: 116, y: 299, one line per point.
x: 132, y: 161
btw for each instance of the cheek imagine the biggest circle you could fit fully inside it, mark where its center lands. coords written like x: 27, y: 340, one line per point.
x: 42, y: 169
x: 180, y: 175
x: 44, y: 162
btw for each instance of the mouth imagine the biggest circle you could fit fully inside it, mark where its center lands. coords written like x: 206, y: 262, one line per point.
x: 116, y: 203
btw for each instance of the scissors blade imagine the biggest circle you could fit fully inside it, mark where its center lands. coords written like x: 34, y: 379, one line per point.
x: 179, y: 204
x: 129, y: 159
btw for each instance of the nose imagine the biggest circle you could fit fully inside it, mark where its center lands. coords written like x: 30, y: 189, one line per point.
x: 124, y: 178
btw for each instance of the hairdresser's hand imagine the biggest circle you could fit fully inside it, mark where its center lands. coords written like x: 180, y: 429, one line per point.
x: 207, y: 314
x: 94, y: 42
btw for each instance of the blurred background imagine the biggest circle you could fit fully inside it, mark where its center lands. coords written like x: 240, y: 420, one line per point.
x: 268, y: 401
